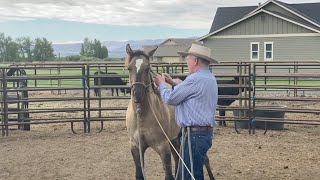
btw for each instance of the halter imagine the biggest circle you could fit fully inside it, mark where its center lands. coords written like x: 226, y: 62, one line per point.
x: 151, y: 72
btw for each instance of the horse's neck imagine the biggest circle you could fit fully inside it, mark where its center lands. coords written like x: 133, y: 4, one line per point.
x: 149, y: 101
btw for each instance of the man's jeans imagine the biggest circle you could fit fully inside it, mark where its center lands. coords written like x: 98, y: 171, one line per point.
x: 201, y: 141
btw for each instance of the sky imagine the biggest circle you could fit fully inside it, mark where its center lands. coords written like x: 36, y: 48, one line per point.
x: 64, y: 21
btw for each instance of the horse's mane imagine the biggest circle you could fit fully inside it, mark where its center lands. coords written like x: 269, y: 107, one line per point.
x: 135, y: 53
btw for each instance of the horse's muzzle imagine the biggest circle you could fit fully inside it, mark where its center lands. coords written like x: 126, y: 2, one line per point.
x: 139, y: 92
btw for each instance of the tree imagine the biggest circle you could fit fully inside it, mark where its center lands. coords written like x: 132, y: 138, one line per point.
x: 2, y: 49
x: 25, y: 48
x: 43, y: 50
x: 104, y: 52
x: 93, y: 49
x: 9, y: 50
x: 12, y: 51
x: 87, y: 48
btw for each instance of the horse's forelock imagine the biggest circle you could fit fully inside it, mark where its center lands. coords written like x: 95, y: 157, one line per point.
x: 135, y: 53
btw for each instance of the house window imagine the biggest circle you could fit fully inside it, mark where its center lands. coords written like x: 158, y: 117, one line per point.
x: 268, y: 51
x: 254, y: 52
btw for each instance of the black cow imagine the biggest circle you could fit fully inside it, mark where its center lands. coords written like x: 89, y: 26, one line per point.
x: 228, y: 91
x: 109, y: 81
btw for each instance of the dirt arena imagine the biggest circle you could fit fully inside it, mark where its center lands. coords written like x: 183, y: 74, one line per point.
x: 54, y: 152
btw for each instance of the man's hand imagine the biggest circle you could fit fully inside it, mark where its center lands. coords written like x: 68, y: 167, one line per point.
x: 169, y: 80
x: 159, y: 79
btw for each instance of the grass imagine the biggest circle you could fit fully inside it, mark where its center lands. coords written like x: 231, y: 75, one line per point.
x: 287, y: 82
x: 77, y: 71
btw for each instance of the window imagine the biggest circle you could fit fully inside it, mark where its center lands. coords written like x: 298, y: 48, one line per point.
x: 268, y: 51
x: 254, y: 52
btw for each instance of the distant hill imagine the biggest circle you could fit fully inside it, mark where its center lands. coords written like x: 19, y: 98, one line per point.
x: 66, y: 49
x: 117, y: 49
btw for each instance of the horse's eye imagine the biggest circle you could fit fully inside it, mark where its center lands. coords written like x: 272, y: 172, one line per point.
x: 129, y: 68
x: 147, y: 69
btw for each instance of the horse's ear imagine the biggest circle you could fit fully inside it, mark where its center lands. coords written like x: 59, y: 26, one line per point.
x: 129, y: 50
x: 150, y: 53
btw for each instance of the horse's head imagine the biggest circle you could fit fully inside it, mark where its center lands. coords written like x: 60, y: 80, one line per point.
x: 138, y: 63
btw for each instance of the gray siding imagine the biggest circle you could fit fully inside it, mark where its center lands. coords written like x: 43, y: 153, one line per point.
x: 263, y: 23
x: 284, y: 48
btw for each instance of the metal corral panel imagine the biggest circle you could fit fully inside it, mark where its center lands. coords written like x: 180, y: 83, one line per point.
x: 284, y: 48
x: 263, y: 23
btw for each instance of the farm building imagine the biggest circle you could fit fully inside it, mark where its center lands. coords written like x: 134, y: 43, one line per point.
x: 273, y: 31
x: 167, y: 50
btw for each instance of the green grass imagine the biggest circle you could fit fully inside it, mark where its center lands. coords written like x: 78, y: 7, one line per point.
x: 287, y: 82
x: 123, y: 71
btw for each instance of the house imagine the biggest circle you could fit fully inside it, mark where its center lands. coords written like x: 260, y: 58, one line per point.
x: 167, y: 50
x: 273, y: 31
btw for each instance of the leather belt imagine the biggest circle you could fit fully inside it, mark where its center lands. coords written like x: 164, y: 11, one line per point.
x: 200, y: 128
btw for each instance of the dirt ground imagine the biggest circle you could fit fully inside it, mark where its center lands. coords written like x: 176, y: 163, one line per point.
x: 54, y: 152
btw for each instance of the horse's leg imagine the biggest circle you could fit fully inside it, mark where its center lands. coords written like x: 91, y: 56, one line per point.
x: 136, y: 158
x: 117, y: 91
x: 222, y: 114
x: 207, y: 165
x: 165, y: 155
x: 112, y: 91
x: 176, y: 144
x: 95, y: 91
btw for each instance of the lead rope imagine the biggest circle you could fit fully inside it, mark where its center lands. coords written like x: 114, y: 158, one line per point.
x: 139, y: 139
x: 190, y: 151
x: 170, y: 142
x: 181, y: 146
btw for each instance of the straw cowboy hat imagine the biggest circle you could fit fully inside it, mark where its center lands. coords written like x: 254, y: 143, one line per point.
x: 199, y: 51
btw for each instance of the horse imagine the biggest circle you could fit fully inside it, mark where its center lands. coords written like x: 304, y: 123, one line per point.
x: 145, y: 112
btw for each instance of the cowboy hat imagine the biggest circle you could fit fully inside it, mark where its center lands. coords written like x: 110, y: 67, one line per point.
x: 199, y: 51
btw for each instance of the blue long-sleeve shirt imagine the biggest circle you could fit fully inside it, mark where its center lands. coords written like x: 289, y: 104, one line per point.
x: 195, y: 99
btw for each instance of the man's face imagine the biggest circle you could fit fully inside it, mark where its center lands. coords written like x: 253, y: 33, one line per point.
x: 191, y: 62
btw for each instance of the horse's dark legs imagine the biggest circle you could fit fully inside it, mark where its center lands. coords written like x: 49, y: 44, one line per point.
x: 96, y: 91
x: 117, y: 90
x: 165, y: 155
x: 222, y: 113
x: 136, y: 158
x: 207, y: 164
x: 176, y: 144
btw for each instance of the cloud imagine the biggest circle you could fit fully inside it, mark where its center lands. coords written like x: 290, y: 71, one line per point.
x: 168, y: 13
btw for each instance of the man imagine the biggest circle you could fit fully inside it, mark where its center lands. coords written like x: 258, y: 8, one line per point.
x: 195, y: 99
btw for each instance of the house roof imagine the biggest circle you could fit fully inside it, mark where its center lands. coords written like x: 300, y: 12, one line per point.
x: 311, y: 10
x: 170, y: 50
x: 148, y: 48
x: 228, y: 15
x: 180, y: 41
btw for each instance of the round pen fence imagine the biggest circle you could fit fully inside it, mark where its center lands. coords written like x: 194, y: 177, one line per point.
x: 250, y: 94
